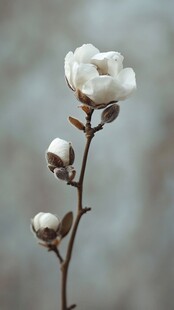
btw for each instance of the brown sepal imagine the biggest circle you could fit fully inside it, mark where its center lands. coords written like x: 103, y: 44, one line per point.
x: 54, y: 160
x: 75, y: 122
x: 71, y: 155
x: 89, y: 102
x: 46, y: 234
x: 85, y: 108
x: 51, y: 168
x: 65, y: 225
x: 84, y: 99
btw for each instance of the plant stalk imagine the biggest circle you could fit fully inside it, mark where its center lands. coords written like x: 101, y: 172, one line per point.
x: 80, y: 212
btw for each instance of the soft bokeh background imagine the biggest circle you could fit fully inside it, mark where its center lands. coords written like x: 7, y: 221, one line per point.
x: 124, y: 253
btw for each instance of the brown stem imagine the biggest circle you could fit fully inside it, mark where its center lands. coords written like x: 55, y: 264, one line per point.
x: 81, y: 178
x: 80, y: 212
x: 58, y: 255
x: 65, y: 264
x: 53, y: 247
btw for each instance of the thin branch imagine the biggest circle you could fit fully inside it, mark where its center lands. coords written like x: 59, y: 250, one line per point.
x: 56, y: 251
x: 72, y: 307
x: 99, y: 127
x: 73, y: 183
x: 65, y: 264
x: 80, y: 211
x: 58, y: 255
x: 84, y: 162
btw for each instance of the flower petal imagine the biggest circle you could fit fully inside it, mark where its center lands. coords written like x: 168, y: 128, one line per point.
x: 114, y: 66
x: 126, y: 83
x: 69, y: 61
x: 82, y: 73
x: 84, y: 53
x: 49, y: 220
x: 108, y: 63
x: 75, y: 67
x: 36, y: 221
x: 100, y: 89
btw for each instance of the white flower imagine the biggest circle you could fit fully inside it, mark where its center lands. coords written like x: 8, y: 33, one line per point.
x: 60, y: 153
x: 98, y: 78
x: 45, y: 220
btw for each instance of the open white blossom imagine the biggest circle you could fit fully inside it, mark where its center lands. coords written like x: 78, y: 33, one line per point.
x: 63, y: 151
x: 98, y: 79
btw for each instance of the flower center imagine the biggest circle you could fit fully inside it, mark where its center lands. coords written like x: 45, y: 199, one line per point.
x: 101, y: 71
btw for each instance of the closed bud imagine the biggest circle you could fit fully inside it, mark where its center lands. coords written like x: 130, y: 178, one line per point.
x: 48, y: 228
x: 65, y: 173
x: 110, y: 113
x: 61, y: 173
x: 59, y: 154
x: 45, y: 226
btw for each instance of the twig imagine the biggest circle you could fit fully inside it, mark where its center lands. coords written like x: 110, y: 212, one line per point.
x: 56, y: 251
x: 80, y: 211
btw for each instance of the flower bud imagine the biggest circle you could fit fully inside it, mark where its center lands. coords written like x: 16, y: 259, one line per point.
x: 59, y: 154
x: 65, y: 173
x: 45, y: 226
x: 61, y: 173
x: 110, y: 113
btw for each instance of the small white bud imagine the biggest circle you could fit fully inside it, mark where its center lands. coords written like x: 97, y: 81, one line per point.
x: 59, y: 154
x: 45, y: 226
x: 43, y: 220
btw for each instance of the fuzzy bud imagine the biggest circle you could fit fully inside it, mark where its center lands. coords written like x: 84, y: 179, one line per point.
x: 61, y: 173
x: 65, y: 173
x: 45, y: 226
x: 59, y: 154
x: 110, y: 113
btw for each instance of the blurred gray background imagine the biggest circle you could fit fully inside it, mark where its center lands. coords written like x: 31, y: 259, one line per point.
x: 124, y: 253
